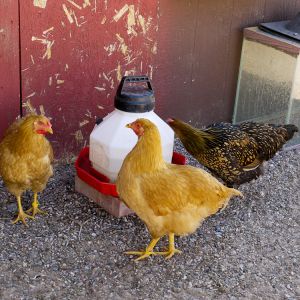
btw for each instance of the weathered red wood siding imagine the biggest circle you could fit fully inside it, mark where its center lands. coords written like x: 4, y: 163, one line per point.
x: 9, y: 63
x: 74, y: 55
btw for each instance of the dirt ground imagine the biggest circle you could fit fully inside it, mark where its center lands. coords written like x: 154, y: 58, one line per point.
x: 251, y: 250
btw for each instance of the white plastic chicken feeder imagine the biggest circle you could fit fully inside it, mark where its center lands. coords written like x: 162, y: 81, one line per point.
x: 111, y: 141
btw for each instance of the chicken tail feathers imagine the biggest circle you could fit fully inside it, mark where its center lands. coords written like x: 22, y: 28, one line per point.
x: 235, y: 192
x: 291, y: 129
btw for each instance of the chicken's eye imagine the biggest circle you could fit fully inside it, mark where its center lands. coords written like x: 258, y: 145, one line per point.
x: 40, y: 123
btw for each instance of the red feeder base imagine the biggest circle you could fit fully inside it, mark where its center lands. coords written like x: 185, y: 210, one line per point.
x: 97, y: 187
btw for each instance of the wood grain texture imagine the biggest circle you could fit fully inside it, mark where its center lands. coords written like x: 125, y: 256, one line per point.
x: 90, y: 47
x: 9, y: 64
x: 201, y: 88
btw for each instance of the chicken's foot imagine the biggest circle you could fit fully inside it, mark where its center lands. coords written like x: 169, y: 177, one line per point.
x: 172, y: 249
x: 21, y: 215
x: 35, y: 207
x: 144, y: 254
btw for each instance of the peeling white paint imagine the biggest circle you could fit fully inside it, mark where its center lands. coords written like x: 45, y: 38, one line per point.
x: 31, y: 95
x: 60, y: 81
x: 105, y: 4
x: 123, y: 47
x: 66, y: 67
x: 75, y: 4
x: 83, y: 123
x: 40, y: 3
x: 25, y: 69
x: 130, y: 72
x: 88, y: 114
x: 95, y: 6
x: 48, y: 44
x: 32, y: 60
x: 110, y: 49
x: 103, y: 20
x: 120, y: 13
x: 100, y: 107
x: 86, y: 3
x: 131, y: 21
x: 50, y: 81
x: 154, y: 48
x: 68, y: 14
x: 101, y: 89
x: 1, y: 30
x: 151, y: 71
x: 142, y: 23
x: 119, y: 72
x: 42, y: 110
x: 104, y: 75
x: 78, y: 136
x: 29, y: 106
x: 48, y: 30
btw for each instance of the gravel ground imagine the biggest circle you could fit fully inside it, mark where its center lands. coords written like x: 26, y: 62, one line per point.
x: 248, y: 251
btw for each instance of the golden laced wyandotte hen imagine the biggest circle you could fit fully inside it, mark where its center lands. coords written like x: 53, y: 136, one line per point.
x: 25, y: 160
x: 170, y: 199
x: 234, y: 153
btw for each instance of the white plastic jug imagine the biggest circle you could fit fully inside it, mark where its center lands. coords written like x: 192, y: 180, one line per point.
x: 111, y: 141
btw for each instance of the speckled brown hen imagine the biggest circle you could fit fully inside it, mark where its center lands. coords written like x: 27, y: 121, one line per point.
x: 233, y: 152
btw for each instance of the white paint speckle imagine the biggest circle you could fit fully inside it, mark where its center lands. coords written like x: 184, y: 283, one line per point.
x: 101, y: 89
x: 74, y: 4
x: 40, y: 3
x: 120, y: 13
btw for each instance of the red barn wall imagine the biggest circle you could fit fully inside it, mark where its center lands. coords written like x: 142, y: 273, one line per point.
x: 74, y: 55
x: 9, y: 63
x: 74, y: 52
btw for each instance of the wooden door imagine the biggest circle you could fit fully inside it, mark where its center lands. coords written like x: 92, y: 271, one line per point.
x: 74, y: 54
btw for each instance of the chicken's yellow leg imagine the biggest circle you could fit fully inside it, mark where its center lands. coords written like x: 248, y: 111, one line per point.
x: 35, y: 207
x: 172, y: 249
x: 147, y: 252
x: 21, y: 215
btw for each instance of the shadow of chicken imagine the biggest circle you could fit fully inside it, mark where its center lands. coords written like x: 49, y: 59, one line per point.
x: 170, y: 199
x: 234, y: 153
x: 25, y: 160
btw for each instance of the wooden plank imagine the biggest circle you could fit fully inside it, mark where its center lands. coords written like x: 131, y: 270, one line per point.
x: 9, y: 64
x: 176, y: 40
x: 75, y: 53
x: 278, y: 10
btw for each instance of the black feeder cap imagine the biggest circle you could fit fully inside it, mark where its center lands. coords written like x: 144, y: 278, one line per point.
x: 289, y: 28
x: 133, y: 96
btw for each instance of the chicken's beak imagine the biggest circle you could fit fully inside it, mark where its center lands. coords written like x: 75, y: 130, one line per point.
x: 128, y: 125
x: 49, y: 130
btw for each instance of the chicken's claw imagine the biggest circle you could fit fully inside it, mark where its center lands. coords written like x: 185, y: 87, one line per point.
x: 22, y: 217
x: 170, y: 253
x: 142, y: 254
x: 35, y: 207
x: 35, y: 210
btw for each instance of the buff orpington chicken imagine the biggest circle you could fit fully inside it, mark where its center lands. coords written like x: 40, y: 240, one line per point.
x: 234, y: 153
x: 25, y: 160
x: 170, y: 199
